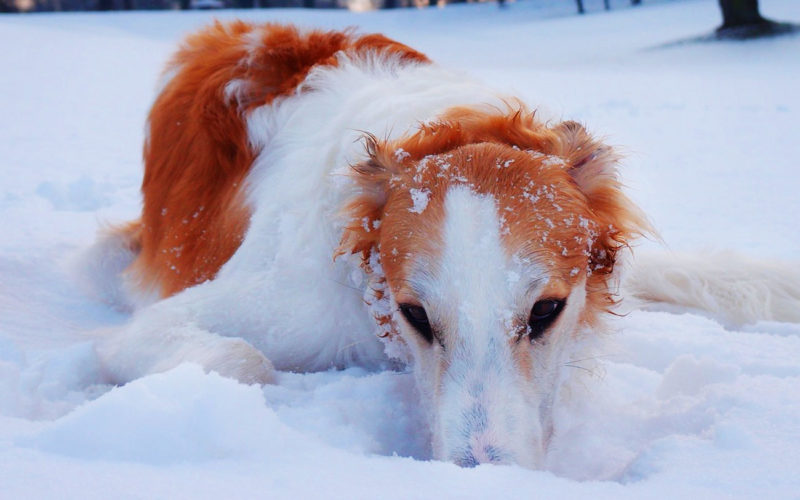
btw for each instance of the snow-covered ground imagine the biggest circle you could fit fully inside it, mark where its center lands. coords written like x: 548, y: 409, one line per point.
x: 679, y: 407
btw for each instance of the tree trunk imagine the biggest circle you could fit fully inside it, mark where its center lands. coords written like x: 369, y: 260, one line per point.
x: 580, y: 6
x: 737, y: 13
x: 741, y: 21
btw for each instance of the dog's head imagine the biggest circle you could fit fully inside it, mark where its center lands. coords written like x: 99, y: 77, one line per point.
x: 497, y: 238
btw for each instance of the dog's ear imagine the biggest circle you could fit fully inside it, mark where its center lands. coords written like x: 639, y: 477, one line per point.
x: 364, y: 211
x: 592, y: 164
x: 593, y: 167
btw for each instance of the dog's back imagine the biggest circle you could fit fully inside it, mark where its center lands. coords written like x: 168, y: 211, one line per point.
x: 198, y: 154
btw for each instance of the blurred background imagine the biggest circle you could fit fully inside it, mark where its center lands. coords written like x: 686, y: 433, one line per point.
x: 86, y: 5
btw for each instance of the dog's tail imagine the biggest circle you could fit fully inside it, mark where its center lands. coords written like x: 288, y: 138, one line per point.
x: 732, y: 288
x: 100, y: 269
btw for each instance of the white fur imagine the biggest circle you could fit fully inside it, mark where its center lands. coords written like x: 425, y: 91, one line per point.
x: 481, y: 398
x: 733, y: 288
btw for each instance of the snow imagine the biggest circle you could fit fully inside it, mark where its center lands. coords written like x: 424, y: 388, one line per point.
x: 676, y: 404
x: 420, y: 199
x: 146, y: 421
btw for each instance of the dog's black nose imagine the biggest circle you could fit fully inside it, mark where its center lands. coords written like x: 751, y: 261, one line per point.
x: 467, y: 460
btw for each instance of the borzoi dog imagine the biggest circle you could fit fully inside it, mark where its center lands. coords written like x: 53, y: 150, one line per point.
x: 327, y: 199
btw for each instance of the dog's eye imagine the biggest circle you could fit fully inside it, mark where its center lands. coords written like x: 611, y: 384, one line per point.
x: 543, y: 313
x: 418, y: 318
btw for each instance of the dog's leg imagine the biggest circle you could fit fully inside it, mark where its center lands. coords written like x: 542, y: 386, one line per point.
x: 160, y: 336
x: 734, y: 288
x: 156, y: 341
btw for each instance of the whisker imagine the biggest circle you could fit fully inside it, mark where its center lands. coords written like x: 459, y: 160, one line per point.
x: 589, y: 370
x: 599, y: 356
x: 351, y: 345
x: 351, y: 287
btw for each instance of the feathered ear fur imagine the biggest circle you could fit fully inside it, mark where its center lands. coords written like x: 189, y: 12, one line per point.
x: 364, y: 211
x: 361, y: 235
x: 593, y: 167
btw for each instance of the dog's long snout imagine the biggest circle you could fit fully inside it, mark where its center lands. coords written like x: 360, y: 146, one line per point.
x: 481, y: 420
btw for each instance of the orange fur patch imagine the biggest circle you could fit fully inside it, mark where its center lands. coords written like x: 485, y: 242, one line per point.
x: 197, y: 156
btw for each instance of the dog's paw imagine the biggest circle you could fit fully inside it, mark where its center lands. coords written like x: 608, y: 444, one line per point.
x: 234, y: 358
